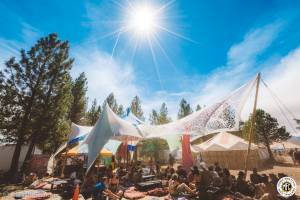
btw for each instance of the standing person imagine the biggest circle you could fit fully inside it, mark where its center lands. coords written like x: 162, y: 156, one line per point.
x: 171, y: 160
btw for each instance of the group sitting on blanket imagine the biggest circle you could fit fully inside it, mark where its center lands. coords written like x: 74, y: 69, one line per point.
x: 215, y: 182
x: 199, y: 182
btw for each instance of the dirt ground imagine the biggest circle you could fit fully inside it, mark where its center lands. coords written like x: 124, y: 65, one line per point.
x: 287, y: 167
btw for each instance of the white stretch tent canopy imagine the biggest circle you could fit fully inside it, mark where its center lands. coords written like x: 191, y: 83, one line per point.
x: 78, y: 134
x: 222, y: 115
x: 108, y: 126
x: 224, y: 141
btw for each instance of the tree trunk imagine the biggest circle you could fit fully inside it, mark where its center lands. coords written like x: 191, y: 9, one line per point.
x: 267, y: 143
x: 28, y: 155
x: 15, y: 160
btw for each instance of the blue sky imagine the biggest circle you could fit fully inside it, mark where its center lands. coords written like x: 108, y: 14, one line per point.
x: 223, y: 45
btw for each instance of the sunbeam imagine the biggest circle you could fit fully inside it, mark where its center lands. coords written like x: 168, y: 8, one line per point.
x: 143, y: 21
x: 165, y: 53
x: 155, y: 63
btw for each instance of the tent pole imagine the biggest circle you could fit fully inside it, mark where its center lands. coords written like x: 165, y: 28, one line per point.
x: 62, y: 174
x: 250, y: 136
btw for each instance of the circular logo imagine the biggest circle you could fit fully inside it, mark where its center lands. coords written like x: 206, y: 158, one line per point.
x: 286, y: 187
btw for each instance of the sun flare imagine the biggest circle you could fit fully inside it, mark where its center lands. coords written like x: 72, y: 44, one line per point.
x: 143, y: 20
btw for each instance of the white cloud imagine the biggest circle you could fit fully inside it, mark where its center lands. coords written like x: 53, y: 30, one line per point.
x: 9, y: 48
x: 283, y: 81
x: 240, y: 67
x: 106, y: 75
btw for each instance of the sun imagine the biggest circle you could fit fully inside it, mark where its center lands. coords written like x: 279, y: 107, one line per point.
x: 143, y: 20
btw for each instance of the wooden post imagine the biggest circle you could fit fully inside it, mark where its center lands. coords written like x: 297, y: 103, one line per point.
x: 64, y: 163
x: 250, y: 136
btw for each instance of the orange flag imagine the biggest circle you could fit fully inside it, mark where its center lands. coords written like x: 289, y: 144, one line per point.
x: 76, y: 193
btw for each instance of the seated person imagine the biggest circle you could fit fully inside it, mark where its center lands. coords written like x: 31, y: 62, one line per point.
x: 89, y: 186
x: 176, y: 188
x: 217, y: 180
x: 242, y: 185
x: 137, y: 176
x: 227, y: 179
x: 181, y: 172
x: 217, y: 167
x: 255, y: 178
x: 194, y: 178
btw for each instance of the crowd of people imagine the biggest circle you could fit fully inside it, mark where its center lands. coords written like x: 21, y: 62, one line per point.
x: 198, y: 182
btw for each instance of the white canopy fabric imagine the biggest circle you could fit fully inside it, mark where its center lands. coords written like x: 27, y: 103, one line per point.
x: 108, y: 126
x: 131, y: 118
x: 78, y: 131
x: 224, y: 141
x: 222, y: 115
x: 225, y: 114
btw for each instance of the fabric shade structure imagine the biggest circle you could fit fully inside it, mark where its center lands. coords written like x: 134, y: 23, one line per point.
x: 108, y: 126
x: 224, y: 114
x: 131, y: 118
x: 225, y: 148
x: 109, y: 149
x: 78, y: 133
x: 75, y: 151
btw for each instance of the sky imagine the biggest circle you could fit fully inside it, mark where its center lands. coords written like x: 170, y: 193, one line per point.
x: 202, y: 51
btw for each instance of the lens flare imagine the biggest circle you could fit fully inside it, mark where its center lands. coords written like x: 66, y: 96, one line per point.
x: 143, y: 20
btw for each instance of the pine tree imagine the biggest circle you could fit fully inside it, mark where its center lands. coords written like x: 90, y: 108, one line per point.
x: 112, y: 102
x: 93, y: 113
x: 163, y: 114
x: 198, y: 107
x: 136, y: 108
x: 184, y: 109
x: 23, y: 87
x: 266, y: 130
x: 79, y: 88
x: 154, y: 118
x: 121, y: 111
x: 51, y: 112
x: 49, y: 136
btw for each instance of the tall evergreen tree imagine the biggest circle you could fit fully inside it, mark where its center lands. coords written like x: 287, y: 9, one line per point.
x: 25, y: 86
x: 136, y: 108
x: 163, y: 114
x: 154, y: 117
x: 56, y: 96
x: 121, y: 111
x: 266, y: 130
x: 93, y: 113
x: 112, y: 102
x: 198, y: 107
x: 184, y: 109
x: 53, y: 126
x: 79, y: 88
